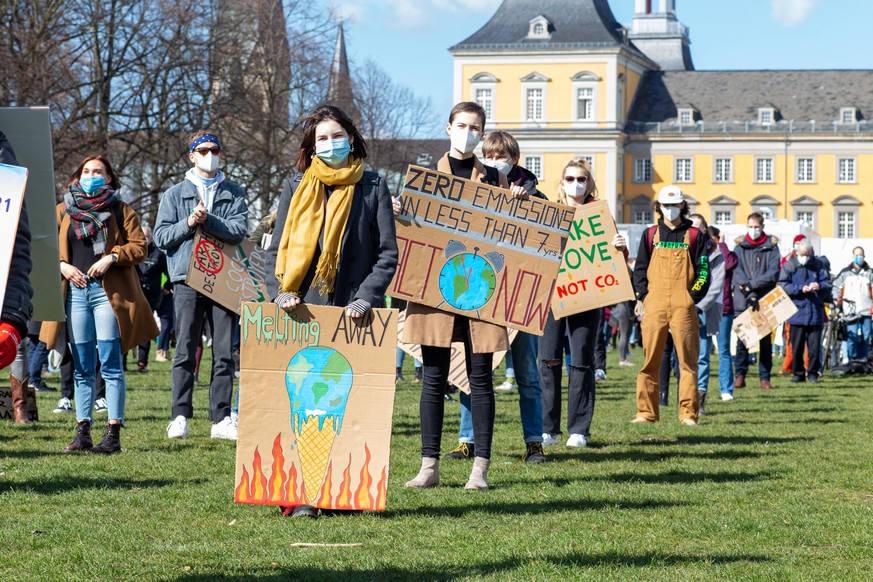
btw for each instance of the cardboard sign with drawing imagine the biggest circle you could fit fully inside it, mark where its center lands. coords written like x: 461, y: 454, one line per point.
x: 316, y: 405
x: 774, y: 308
x: 470, y: 248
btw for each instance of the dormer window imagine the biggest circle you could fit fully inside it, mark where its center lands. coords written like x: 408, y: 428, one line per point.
x: 848, y: 115
x: 767, y: 115
x: 540, y: 28
x: 687, y: 115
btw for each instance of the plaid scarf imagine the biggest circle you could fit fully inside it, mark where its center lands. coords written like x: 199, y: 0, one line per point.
x: 88, y: 214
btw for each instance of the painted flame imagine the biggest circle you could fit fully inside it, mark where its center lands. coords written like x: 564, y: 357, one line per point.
x: 325, y: 500
x: 344, y: 498
x: 382, y: 491
x: 241, y: 495
x: 278, y: 479
x: 293, y: 489
x: 259, y: 482
x: 363, y: 499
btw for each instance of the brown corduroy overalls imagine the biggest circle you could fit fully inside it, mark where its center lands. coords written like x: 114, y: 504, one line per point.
x: 668, y: 305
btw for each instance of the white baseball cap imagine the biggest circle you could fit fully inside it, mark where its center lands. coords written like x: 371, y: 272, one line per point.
x: 671, y: 195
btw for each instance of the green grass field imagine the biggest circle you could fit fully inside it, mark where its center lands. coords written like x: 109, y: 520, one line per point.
x: 772, y: 486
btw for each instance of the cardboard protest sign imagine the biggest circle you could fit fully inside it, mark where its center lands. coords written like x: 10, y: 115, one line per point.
x: 592, y: 274
x: 458, y: 361
x: 774, y: 308
x: 470, y: 248
x: 228, y: 274
x: 6, y: 412
x: 316, y: 404
x: 13, y: 181
x: 30, y: 133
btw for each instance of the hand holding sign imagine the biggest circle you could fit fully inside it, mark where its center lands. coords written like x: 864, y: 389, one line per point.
x: 198, y: 215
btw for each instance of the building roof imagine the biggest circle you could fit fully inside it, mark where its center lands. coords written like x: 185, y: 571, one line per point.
x: 573, y: 24
x: 798, y: 95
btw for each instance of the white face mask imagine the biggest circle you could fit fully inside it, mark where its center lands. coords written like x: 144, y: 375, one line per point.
x: 802, y: 259
x: 464, y: 141
x: 208, y: 163
x: 499, y: 165
x: 671, y: 213
x: 574, y: 190
x: 755, y: 233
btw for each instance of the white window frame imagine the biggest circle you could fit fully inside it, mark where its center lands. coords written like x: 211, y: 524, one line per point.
x: 800, y: 216
x: 532, y: 82
x: 848, y: 115
x: 538, y: 28
x: 683, y: 175
x: 685, y: 116
x: 718, y: 176
x: 850, y: 174
x: 643, y: 216
x: 643, y: 166
x: 717, y: 219
x: 584, y: 112
x: 766, y: 115
x: 534, y: 165
x: 759, y: 179
x: 588, y: 158
x: 585, y: 80
x: 485, y: 81
x: 804, y: 173
x: 846, y: 213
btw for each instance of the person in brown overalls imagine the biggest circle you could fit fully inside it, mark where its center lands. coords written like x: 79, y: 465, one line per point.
x: 671, y: 276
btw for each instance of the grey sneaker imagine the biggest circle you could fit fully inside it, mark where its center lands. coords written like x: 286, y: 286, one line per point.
x: 100, y: 405
x: 64, y: 405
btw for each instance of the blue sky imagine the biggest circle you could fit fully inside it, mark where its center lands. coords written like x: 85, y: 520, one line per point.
x: 410, y: 38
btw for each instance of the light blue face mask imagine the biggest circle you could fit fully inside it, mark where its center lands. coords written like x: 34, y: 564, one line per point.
x: 859, y: 260
x: 333, y: 152
x: 91, y: 183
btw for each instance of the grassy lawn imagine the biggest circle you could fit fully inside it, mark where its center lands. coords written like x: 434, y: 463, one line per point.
x: 772, y: 486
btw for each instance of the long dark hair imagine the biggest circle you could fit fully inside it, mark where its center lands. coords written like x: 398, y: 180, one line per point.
x: 323, y: 113
x: 114, y: 182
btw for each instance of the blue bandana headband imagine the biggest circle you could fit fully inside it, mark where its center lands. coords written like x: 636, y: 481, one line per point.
x: 203, y: 139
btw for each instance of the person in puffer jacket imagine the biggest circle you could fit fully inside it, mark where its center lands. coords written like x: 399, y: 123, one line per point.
x: 807, y: 282
x: 853, y: 289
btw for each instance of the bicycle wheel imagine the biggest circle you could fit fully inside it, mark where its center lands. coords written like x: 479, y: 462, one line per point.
x: 828, y: 337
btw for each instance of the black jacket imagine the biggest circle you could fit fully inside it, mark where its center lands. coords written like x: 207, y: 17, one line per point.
x: 17, y: 307
x: 520, y: 176
x: 699, y: 255
x: 150, y: 271
x: 368, y: 252
x: 757, y: 269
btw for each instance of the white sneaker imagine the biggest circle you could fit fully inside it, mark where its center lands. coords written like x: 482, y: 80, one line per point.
x: 100, y: 405
x: 577, y: 440
x: 550, y: 439
x: 226, y: 429
x: 507, y: 386
x: 64, y: 405
x: 178, y: 428
x: 727, y: 396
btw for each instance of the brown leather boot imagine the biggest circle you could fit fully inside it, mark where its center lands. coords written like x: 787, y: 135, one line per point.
x: 740, y: 381
x: 19, y: 400
x: 111, y: 442
x: 82, y: 440
x: 766, y: 385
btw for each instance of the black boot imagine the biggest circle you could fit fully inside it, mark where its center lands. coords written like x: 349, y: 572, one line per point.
x: 398, y: 377
x: 417, y: 379
x: 111, y: 442
x: 701, y: 394
x: 82, y: 441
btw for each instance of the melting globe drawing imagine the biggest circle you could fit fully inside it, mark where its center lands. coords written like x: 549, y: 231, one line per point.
x: 467, y: 281
x: 319, y: 380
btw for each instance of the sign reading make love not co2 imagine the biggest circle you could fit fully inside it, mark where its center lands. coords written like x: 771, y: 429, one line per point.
x: 470, y: 248
x: 593, y: 274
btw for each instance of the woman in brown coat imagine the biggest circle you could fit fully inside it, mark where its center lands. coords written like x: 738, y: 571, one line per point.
x: 100, y: 242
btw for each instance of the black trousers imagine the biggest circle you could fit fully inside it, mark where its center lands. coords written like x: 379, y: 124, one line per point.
x: 667, y: 370
x: 435, y: 375
x: 765, y: 359
x: 808, y: 336
x: 600, y: 343
x: 582, y: 330
x: 191, y: 310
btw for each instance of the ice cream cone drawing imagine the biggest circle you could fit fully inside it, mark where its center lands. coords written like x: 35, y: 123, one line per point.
x: 319, y: 380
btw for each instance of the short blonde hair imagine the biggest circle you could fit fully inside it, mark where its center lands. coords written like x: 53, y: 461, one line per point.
x: 591, y: 187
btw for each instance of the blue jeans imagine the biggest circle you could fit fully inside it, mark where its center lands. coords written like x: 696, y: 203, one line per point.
x: 530, y: 402
x: 859, y: 338
x: 725, y: 360
x: 703, y: 365
x: 93, y: 330
x: 401, y: 355
x: 38, y: 356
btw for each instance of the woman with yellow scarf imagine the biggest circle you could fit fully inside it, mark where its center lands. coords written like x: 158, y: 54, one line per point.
x: 334, y: 241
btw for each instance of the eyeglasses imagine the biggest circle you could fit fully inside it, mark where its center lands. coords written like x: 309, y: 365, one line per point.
x: 571, y: 179
x: 213, y: 150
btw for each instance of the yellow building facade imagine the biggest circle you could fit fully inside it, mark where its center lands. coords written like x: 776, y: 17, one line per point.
x: 568, y: 81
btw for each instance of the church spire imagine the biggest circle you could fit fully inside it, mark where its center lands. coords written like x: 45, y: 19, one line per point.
x: 339, y: 88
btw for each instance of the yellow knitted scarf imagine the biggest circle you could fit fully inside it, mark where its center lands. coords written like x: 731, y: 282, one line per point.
x: 306, y: 215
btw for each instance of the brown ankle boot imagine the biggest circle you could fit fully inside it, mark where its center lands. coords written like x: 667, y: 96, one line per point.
x: 19, y: 400
x: 82, y: 440
x: 111, y: 441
